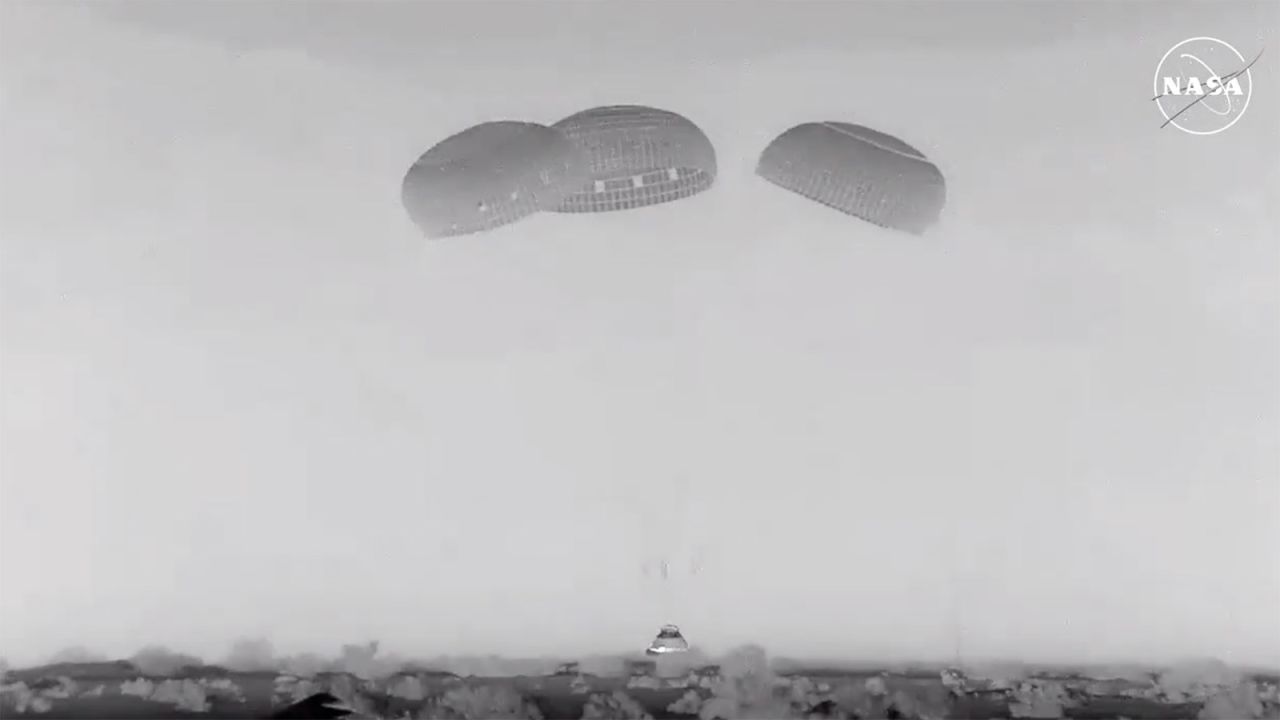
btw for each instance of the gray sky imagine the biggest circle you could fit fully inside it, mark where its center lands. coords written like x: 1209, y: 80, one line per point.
x: 241, y: 396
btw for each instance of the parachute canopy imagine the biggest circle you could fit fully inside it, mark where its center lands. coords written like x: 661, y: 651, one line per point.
x: 858, y: 171
x: 490, y: 175
x: 638, y: 156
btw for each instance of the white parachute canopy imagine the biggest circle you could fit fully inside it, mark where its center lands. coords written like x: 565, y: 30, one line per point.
x: 858, y: 171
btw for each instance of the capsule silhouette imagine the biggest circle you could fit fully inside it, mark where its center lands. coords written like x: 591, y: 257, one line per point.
x: 668, y: 640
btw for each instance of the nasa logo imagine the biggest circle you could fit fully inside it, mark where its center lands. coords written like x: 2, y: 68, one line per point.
x: 1192, y: 92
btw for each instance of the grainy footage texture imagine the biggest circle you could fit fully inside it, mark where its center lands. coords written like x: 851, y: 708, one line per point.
x: 620, y: 359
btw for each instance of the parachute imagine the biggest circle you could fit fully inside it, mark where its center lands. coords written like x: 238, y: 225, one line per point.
x: 858, y: 171
x: 490, y: 175
x: 638, y: 156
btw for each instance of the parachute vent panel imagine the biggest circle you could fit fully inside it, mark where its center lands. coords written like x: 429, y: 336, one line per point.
x: 858, y: 171
x: 638, y: 156
x: 491, y: 175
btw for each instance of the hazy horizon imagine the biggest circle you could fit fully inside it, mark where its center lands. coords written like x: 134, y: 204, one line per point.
x: 242, y: 397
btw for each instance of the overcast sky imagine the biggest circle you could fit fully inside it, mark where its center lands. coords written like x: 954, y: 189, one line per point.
x: 241, y: 395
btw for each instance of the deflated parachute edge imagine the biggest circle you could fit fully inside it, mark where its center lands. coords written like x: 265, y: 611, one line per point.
x: 859, y: 171
x: 490, y: 175
x: 638, y: 156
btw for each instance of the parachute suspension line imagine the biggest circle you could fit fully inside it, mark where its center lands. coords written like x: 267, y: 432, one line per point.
x: 657, y: 527
x: 958, y: 575
x: 672, y: 564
